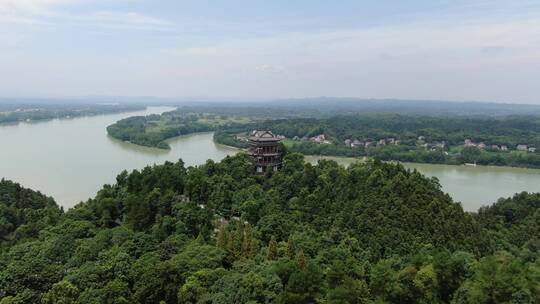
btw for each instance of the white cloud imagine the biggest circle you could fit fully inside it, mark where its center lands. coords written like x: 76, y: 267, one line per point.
x: 36, y: 11
x: 28, y: 11
x: 488, y: 60
x: 32, y: 7
x: 128, y: 18
x: 19, y: 12
x: 517, y: 37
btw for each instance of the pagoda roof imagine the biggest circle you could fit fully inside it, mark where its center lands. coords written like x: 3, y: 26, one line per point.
x: 265, y: 135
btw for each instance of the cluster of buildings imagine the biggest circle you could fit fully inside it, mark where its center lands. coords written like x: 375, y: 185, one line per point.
x: 371, y: 143
x: 433, y: 146
x: 481, y: 145
x: 469, y: 143
x: 393, y: 141
x: 319, y: 139
x: 526, y: 148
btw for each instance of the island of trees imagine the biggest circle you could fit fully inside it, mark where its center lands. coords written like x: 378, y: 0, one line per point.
x: 216, y: 233
x: 30, y: 112
x: 154, y: 130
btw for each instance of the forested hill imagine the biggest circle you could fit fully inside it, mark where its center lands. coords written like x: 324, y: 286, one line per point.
x: 23, y: 212
x: 371, y: 233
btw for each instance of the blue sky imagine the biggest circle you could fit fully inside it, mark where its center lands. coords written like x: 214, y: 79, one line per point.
x: 455, y: 50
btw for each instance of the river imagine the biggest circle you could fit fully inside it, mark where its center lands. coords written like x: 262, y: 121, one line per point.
x: 71, y: 159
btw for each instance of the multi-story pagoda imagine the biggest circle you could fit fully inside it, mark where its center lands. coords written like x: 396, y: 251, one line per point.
x: 265, y: 151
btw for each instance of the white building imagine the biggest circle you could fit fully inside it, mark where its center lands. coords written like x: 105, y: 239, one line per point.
x: 522, y: 147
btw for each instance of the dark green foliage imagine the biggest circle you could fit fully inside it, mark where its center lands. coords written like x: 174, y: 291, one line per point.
x: 23, y: 212
x: 370, y: 233
x: 514, y: 223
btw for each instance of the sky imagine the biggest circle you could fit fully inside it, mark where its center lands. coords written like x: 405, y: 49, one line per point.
x: 258, y: 49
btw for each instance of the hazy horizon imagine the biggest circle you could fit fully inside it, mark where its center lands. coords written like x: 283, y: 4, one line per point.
x: 311, y: 102
x: 474, y: 51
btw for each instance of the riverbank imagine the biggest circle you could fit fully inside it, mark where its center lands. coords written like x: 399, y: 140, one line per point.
x: 342, y: 160
x: 423, y: 141
x: 242, y: 146
x: 43, y: 113
x: 154, y: 130
x: 224, y: 139
x: 503, y: 141
x: 350, y: 160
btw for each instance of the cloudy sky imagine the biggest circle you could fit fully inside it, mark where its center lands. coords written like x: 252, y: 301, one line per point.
x: 433, y: 49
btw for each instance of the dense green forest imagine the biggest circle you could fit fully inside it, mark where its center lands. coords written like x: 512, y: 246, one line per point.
x: 442, y: 138
x: 215, y: 233
x: 154, y: 130
x: 13, y: 113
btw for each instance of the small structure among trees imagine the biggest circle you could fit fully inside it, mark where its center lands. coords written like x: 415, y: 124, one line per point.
x: 265, y: 151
